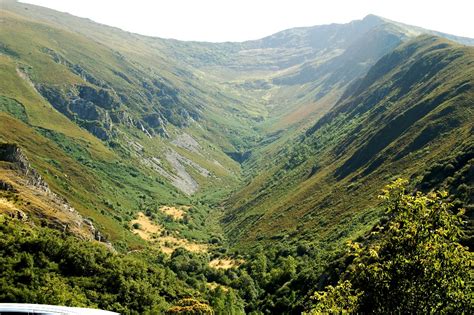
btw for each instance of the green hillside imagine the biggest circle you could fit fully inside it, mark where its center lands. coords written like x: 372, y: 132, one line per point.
x: 149, y: 175
x: 407, y: 113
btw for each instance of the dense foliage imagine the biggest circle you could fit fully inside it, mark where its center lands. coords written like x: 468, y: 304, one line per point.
x: 40, y: 265
x: 411, y: 264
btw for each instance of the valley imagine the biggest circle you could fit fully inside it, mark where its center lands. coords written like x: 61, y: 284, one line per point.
x: 148, y: 175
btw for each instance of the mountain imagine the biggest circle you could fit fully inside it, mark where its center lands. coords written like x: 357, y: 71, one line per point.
x: 407, y: 113
x: 229, y: 168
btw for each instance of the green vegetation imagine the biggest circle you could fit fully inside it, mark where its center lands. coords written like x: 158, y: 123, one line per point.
x: 390, y: 123
x: 227, y: 178
x: 13, y: 108
x: 40, y: 265
x: 412, y: 263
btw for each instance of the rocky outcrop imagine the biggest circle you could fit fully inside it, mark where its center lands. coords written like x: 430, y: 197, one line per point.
x: 157, y: 124
x: 122, y: 117
x: 85, y: 110
x: 88, y: 107
x: 154, y: 120
x: 13, y: 154
x: 5, y: 186
x: 94, y: 106
x: 105, y: 99
x: 97, y: 235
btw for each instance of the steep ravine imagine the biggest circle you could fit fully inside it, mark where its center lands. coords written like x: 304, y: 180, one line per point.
x: 223, y: 177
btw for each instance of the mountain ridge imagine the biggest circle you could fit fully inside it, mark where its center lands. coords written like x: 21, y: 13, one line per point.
x: 239, y: 169
x: 300, y: 157
x: 171, y: 97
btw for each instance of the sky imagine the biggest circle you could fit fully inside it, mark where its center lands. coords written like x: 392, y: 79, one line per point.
x: 239, y: 20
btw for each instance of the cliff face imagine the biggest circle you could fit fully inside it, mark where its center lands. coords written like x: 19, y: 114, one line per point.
x: 23, y: 191
x: 12, y: 153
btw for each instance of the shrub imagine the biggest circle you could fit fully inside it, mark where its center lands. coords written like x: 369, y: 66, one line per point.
x: 412, y: 264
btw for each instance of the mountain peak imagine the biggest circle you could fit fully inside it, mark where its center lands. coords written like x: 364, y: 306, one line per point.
x: 374, y: 18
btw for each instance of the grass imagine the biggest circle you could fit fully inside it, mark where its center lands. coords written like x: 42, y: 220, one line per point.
x: 108, y: 186
x: 287, y: 201
x: 319, y: 150
x: 288, y: 185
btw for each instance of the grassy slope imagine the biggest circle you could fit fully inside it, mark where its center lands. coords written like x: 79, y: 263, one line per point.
x: 142, y: 58
x: 408, y: 116
x: 243, y: 103
x: 101, y: 184
x: 408, y: 112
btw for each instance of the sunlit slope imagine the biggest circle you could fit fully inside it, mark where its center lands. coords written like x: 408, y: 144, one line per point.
x: 147, y: 79
x: 312, y: 117
x: 118, y: 97
x: 412, y: 109
x: 83, y: 117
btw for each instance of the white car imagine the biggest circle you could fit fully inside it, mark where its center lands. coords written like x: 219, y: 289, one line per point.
x: 40, y: 309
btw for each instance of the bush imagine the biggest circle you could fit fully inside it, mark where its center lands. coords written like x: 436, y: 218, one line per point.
x: 137, y: 226
x: 412, y: 264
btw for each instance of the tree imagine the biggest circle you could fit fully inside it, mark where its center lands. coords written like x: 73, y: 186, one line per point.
x: 224, y: 300
x: 411, y: 264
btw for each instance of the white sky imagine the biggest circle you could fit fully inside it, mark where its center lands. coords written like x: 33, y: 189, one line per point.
x: 238, y: 20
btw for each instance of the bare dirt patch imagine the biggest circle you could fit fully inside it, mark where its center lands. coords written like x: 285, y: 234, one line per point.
x: 153, y: 233
x: 224, y: 263
x: 177, y: 213
x: 169, y: 243
x: 147, y: 229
